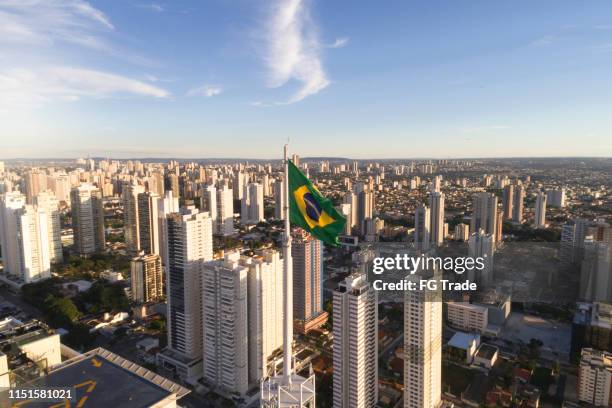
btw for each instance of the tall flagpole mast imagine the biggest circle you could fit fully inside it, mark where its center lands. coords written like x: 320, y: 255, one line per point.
x: 287, y: 281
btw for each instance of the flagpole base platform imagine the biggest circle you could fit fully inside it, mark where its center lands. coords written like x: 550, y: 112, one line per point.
x: 300, y: 393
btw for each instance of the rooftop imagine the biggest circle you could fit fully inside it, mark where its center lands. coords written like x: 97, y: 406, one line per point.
x: 102, y: 379
x: 486, y: 351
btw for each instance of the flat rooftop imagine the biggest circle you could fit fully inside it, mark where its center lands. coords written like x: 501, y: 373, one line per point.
x: 486, y: 351
x: 100, y: 378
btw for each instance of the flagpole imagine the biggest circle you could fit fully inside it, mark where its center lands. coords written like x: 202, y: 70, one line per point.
x: 288, y: 279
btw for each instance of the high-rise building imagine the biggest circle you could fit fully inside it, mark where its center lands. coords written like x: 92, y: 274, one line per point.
x: 279, y: 200
x: 436, y: 208
x: 365, y: 207
x: 146, y: 278
x: 481, y: 245
x: 50, y: 205
x: 165, y: 206
x: 508, y: 201
x: 35, y: 182
x: 422, y: 346
x: 596, y: 272
x: 208, y: 202
x: 556, y: 197
x: 540, y: 210
x: 265, y: 305
x: 595, y: 378
x: 252, y: 208
x: 355, y: 355
x: 484, y: 213
x: 148, y: 223
x: 87, y: 219
x: 171, y: 182
x: 189, y: 244
x: 225, y: 210
x: 307, y: 254
x: 225, y: 324
x: 462, y: 232
x: 350, y: 198
x: 422, y: 224
x: 24, y: 238
x: 572, y: 241
x: 517, y: 205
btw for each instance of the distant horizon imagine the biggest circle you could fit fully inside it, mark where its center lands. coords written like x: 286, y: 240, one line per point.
x: 305, y: 158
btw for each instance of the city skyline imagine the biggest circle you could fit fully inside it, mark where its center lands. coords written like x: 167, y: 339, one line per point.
x: 139, y: 79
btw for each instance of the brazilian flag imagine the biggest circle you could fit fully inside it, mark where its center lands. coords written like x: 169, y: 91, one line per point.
x: 311, y: 211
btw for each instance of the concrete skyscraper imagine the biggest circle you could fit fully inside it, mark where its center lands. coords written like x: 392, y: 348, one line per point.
x: 225, y: 210
x: 595, y: 378
x: 517, y: 205
x: 355, y: 355
x: 146, y: 278
x: 50, y: 205
x: 265, y: 305
x: 307, y: 253
x: 24, y: 238
x: 87, y: 219
x: 484, y: 213
x: 481, y: 245
x: 208, y: 203
x: 189, y: 244
x: 540, y: 210
x: 279, y: 200
x: 508, y: 201
x: 422, y: 345
x: 436, y: 208
x: 252, y: 209
x: 225, y: 324
x: 129, y: 197
x: 422, y: 223
x: 165, y: 206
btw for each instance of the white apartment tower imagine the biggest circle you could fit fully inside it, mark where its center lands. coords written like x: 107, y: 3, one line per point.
x: 422, y: 347
x: 24, y: 238
x: 189, y: 245
x: 225, y: 324
x: 225, y: 211
x: 165, y: 206
x: 355, y: 355
x: 265, y: 305
x: 50, y: 205
x: 252, y: 208
x: 87, y: 219
x: 146, y: 278
x: 436, y: 208
x: 595, y: 378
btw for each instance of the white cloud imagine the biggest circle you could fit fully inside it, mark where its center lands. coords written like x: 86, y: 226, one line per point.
x: 205, y: 90
x: 154, y: 7
x: 542, y: 41
x: 48, y: 21
x: 294, y: 50
x: 339, y: 43
x: 28, y: 88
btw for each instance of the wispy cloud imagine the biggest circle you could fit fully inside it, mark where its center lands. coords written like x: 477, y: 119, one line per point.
x: 29, y: 88
x: 205, y: 90
x: 153, y: 7
x: 50, y: 21
x: 339, y: 43
x: 603, y: 27
x: 543, y: 41
x: 293, y: 50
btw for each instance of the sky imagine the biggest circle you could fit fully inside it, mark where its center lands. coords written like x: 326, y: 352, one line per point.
x: 349, y: 78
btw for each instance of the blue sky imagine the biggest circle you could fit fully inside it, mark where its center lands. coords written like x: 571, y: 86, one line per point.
x: 362, y: 79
